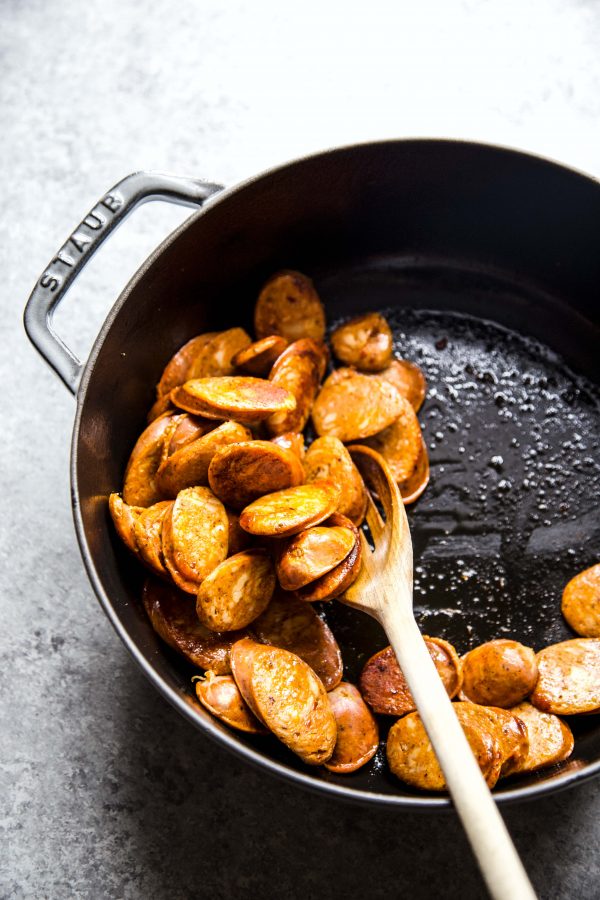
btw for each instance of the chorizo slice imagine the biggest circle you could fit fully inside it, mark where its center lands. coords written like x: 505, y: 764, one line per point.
x: 290, y: 511
x: 513, y: 738
x: 384, y: 687
x: 298, y: 370
x: 499, y: 673
x: 243, y: 399
x: 569, y: 677
x: 328, y: 458
x: 159, y: 408
x: 148, y: 534
x: 238, y: 538
x: 581, y: 602
x: 291, y: 624
x: 409, y: 380
x: 245, y: 471
x: 353, y: 406
x: 365, y: 342
x: 312, y: 553
x: 189, y: 465
x: 124, y: 517
x: 289, y: 305
x: 334, y: 583
x: 417, y: 481
x: 357, y: 731
x: 188, y: 429
x: 195, y: 536
x: 291, y: 440
x: 411, y: 757
x: 550, y: 739
x: 237, y: 591
x: 174, y: 619
x: 258, y: 358
x: 217, y: 354
x: 176, y: 370
x: 140, y: 487
x: 286, y: 695
x: 400, y: 443
x: 220, y: 695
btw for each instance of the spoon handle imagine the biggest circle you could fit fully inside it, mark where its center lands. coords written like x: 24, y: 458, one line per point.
x: 494, y: 850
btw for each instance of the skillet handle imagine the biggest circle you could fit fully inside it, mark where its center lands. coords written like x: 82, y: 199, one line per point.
x: 80, y: 246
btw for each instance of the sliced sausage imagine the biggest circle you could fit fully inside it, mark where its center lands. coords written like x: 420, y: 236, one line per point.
x: 353, y: 406
x: 365, y: 342
x: 220, y: 695
x: 291, y: 440
x: 334, y: 583
x: 290, y: 511
x: 499, y: 673
x: 238, y: 538
x: 124, y: 517
x: 188, y: 466
x: 312, y: 553
x: 258, y: 358
x: 140, y: 487
x: 328, y: 458
x: 289, y: 305
x: 569, y: 677
x: 159, y: 408
x: 195, y: 536
x: 298, y: 370
x: 357, y: 731
x: 512, y: 735
x: 243, y: 399
x: 176, y: 370
x: 285, y: 694
x: 417, y: 481
x: 236, y: 591
x: 247, y: 470
x: 550, y: 739
x: 409, y: 380
x: 217, y: 354
x: 174, y: 618
x: 400, y: 443
x: 291, y: 624
x: 411, y: 757
x: 189, y: 428
x: 384, y: 687
x: 148, y: 534
x: 581, y: 602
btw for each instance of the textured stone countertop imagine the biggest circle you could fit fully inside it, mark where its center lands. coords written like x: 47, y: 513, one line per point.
x: 105, y: 791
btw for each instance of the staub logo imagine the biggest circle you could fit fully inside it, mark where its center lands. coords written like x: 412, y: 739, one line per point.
x: 85, y: 236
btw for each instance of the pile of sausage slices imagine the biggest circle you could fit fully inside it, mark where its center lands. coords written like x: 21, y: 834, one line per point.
x: 243, y: 528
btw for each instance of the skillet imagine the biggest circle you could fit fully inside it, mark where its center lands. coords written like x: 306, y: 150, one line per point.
x: 486, y: 262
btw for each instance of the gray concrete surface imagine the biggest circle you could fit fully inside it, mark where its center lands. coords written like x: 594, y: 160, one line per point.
x: 104, y: 791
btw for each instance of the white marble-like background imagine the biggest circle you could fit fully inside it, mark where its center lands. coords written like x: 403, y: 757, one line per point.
x: 103, y: 791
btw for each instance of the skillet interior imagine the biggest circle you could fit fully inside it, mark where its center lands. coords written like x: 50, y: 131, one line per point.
x: 445, y: 236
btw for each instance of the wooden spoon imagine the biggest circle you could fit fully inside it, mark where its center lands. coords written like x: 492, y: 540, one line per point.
x: 384, y: 590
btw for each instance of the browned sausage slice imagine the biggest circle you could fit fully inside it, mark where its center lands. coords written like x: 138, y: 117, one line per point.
x: 550, y: 739
x: 195, y: 536
x: 220, y: 695
x: 140, y: 488
x: 174, y: 619
x: 176, y: 370
x: 384, y: 687
x: 411, y: 757
x: 124, y: 517
x: 415, y: 484
x: 188, y: 429
x: 312, y: 553
x: 512, y: 735
x: 569, y: 677
x: 285, y: 694
x: 291, y: 624
x: 499, y: 673
x: 148, y: 534
x: 352, y: 406
x: 357, y: 731
x: 291, y: 440
x: 400, y: 443
x: 581, y: 602
x: 289, y: 305
x: 188, y: 466
x: 298, y: 370
x: 243, y: 399
x: 241, y: 473
x: 238, y: 538
x: 159, y: 408
x: 216, y: 356
x: 328, y: 458
x: 365, y: 342
x: 290, y: 511
x: 237, y: 591
x: 334, y: 583
x: 258, y: 358
x: 408, y: 378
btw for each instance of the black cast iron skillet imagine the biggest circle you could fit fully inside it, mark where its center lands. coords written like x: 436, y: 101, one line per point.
x: 487, y: 262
